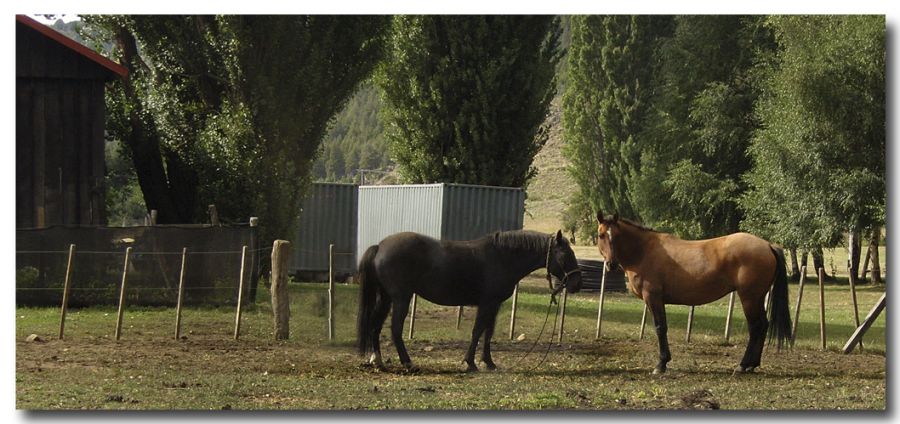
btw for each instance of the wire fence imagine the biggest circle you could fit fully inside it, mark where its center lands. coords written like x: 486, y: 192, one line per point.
x: 171, y: 278
x: 211, y: 256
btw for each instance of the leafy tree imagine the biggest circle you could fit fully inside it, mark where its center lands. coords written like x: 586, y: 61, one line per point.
x: 465, y: 96
x: 696, y: 137
x: 231, y: 109
x: 611, y: 66
x: 819, y: 156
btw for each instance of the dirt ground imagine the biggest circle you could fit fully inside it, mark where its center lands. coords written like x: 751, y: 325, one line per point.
x: 214, y: 372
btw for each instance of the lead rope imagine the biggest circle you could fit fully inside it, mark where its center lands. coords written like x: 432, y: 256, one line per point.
x: 546, y: 317
x: 550, y: 344
x: 538, y: 338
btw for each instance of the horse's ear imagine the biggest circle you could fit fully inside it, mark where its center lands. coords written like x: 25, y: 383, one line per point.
x: 616, y: 216
x: 559, y: 237
x: 599, y: 216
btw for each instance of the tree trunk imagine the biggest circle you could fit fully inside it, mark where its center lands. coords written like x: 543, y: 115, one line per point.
x: 144, y: 142
x: 804, y: 259
x: 795, y: 267
x: 865, y: 264
x: 819, y: 262
x: 876, y: 264
x: 853, y: 248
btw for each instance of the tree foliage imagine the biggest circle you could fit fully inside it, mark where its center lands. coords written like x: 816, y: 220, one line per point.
x: 231, y: 110
x: 465, y: 96
x: 819, y: 157
x: 696, y: 137
x: 611, y: 64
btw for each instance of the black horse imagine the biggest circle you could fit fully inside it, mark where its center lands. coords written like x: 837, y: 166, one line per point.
x: 481, y: 272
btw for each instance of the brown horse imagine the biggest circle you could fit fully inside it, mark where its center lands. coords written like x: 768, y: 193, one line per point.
x: 663, y: 269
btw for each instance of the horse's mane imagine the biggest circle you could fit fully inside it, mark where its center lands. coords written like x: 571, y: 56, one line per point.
x: 639, y: 226
x: 520, y: 240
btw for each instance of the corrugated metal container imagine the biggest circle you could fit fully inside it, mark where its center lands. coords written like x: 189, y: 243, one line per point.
x: 328, y: 216
x: 442, y: 211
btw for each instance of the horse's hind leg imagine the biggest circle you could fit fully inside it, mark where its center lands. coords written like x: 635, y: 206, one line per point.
x: 382, y: 307
x: 658, y: 308
x: 477, y: 330
x: 757, y: 324
x: 400, y: 309
x: 490, y: 320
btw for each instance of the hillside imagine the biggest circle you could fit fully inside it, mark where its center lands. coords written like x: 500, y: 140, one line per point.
x: 550, y: 190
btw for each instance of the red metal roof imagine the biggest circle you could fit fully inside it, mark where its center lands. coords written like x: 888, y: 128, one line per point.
x: 73, y: 45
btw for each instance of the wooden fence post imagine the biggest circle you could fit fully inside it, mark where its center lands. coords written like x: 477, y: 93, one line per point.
x: 331, y: 292
x: 870, y: 318
x: 281, y: 304
x: 180, y: 295
x: 643, y: 322
x: 153, y: 214
x: 822, y: 306
x: 600, y: 308
x: 213, y: 215
x: 66, y: 288
x: 562, y: 316
x: 799, y: 300
x: 690, y: 325
x: 254, y: 257
x: 728, y: 317
x: 122, y: 294
x: 412, y: 317
x: 240, y: 299
x: 512, y: 314
x: 852, y: 279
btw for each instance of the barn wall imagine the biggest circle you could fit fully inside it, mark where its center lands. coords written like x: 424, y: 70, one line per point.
x: 59, y: 152
x: 60, y: 118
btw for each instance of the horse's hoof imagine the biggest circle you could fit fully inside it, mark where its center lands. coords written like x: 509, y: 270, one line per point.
x: 471, y: 368
x: 410, y: 368
x: 747, y: 370
x: 490, y: 366
x: 376, y: 363
x: 659, y: 370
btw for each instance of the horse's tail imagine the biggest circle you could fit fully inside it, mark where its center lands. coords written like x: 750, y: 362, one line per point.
x: 780, y: 315
x: 368, y: 290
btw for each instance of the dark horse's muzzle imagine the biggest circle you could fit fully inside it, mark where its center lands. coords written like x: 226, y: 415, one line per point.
x: 571, y: 282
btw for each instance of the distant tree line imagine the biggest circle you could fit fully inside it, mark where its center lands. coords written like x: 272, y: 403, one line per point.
x: 355, y: 141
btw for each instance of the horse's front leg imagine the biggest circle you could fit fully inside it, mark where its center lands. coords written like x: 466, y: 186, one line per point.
x: 658, y: 309
x: 477, y: 330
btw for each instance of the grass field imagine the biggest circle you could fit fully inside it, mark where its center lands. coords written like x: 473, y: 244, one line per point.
x: 207, y: 369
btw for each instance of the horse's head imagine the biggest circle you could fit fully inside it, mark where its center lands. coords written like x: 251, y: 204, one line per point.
x: 562, y: 264
x: 607, y: 231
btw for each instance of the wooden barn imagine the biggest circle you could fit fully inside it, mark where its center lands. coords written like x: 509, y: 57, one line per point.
x: 60, y: 118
